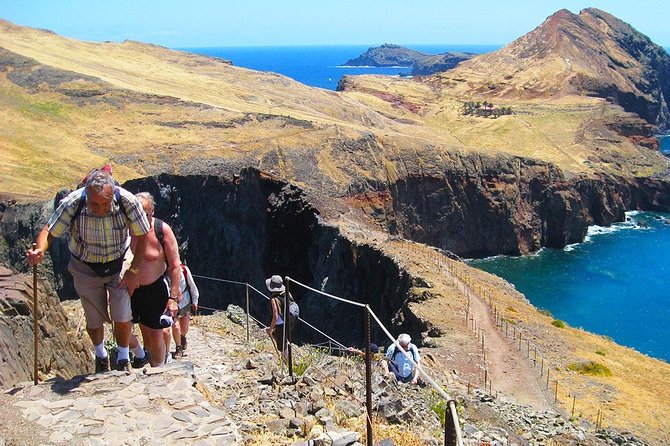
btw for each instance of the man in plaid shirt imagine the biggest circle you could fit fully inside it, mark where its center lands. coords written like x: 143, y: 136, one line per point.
x: 98, y: 219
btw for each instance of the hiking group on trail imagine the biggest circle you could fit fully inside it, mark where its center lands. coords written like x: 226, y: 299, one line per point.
x: 126, y: 268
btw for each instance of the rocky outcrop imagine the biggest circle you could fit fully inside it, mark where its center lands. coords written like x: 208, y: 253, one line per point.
x: 387, y: 55
x: 441, y: 62
x: 60, y: 353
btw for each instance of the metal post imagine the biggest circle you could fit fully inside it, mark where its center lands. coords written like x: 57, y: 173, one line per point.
x: 556, y: 392
x: 368, y: 374
x: 547, y: 388
x: 247, y: 289
x: 35, y: 316
x: 287, y: 327
x: 573, y: 407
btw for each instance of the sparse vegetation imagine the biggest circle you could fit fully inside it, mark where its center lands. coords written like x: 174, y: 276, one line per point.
x: 600, y: 352
x: 47, y: 109
x: 485, y: 109
x: 590, y: 368
x: 545, y: 312
x: 308, y: 357
x: 558, y: 323
x: 438, y: 405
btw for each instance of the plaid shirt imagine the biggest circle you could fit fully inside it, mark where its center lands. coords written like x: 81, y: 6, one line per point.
x: 98, y: 239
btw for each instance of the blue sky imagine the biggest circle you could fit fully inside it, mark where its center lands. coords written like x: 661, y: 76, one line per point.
x: 180, y: 24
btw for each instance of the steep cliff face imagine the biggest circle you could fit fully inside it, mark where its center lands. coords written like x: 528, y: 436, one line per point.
x: 248, y: 230
x: 487, y: 206
x: 245, y: 231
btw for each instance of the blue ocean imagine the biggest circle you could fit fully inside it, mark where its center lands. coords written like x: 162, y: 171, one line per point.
x: 319, y: 66
x: 616, y: 283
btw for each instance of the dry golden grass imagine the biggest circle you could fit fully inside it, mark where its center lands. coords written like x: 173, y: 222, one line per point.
x: 49, y: 140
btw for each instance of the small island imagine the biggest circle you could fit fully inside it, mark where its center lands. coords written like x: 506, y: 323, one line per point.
x: 390, y: 55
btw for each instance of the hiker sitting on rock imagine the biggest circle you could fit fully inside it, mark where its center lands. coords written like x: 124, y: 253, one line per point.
x: 398, y: 365
x: 277, y: 303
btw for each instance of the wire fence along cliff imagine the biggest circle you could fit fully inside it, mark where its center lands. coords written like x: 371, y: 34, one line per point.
x: 515, y: 335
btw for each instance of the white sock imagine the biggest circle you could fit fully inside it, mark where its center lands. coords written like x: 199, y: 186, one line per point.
x: 138, y: 352
x: 122, y: 353
x: 100, y: 350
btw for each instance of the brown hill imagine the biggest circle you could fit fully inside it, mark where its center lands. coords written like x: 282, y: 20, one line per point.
x: 592, y: 53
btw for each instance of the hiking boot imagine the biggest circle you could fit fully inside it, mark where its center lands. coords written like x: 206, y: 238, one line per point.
x: 101, y: 364
x: 183, y: 342
x: 179, y: 352
x: 138, y: 363
x: 123, y: 365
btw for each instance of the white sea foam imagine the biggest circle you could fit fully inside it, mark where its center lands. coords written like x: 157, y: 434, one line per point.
x: 631, y: 222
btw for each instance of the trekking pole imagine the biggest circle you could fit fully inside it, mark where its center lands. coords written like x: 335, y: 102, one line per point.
x: 368, y: 376
x: 35, y: 328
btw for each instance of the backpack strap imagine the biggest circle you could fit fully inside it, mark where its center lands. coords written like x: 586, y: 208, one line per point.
x: 188, y: 288
x: 82, y: 203
x: 158, y: 229
x: 397, y: 350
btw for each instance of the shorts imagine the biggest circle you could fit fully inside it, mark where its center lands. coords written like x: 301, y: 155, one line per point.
x: 98, y: 294
x: 148, y: 303
x: 185, y: 311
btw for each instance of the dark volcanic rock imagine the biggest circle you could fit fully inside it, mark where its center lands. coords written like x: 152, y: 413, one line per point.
x: 486, y: 206
x: 387, y: 55
x: 441, y: 62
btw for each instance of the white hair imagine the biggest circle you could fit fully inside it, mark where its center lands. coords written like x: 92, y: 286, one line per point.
x: 404, y: 338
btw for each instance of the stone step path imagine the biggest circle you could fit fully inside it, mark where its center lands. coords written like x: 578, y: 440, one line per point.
x: 150, y: 406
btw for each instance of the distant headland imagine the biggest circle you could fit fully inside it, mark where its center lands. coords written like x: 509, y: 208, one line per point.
x: 390, y: 55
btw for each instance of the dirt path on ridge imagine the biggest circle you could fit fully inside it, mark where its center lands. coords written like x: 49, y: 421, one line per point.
x: 508, y: 370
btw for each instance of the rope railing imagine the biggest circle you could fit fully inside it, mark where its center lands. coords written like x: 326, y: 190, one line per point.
x: 452, y: 426
x: 450, y: 402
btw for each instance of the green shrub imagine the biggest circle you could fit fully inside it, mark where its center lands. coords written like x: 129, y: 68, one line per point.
x: 600, y: 352
x: 305, y: 361
x: 558, y: 323
x: 590, y: 368
x: 545, y: 312
x: 438, y: 405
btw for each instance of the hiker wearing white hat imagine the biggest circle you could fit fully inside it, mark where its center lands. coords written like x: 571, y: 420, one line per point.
x: 278, y: 303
